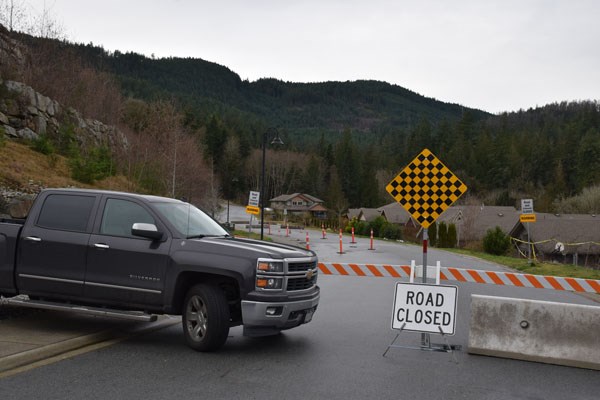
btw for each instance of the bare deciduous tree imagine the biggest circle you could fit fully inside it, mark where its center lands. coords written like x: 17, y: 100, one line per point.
x: 13, y: 15
x: 283, y: 171
x: 161, y: 156
x: 588, y: 202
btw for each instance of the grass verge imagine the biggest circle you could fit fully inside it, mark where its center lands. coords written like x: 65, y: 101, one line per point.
x: 537, y: 268
x: 250, y: 235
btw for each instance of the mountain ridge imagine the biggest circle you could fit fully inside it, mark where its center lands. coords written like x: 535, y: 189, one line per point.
x: 301, y: 108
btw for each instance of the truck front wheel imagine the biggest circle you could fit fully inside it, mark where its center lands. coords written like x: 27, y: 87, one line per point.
x: 205, y: 318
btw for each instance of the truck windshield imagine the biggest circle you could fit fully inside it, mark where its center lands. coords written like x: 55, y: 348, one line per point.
x: 190, y: 221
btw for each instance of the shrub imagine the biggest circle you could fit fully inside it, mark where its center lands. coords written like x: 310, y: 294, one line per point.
x: 43, y: 145
x: 390, y: 231
x: 362, y: 228
x: 66, y: 141
x: 376, y: 225
x: 496, y: 242
x: 53, y: 160
x: 96, y: 166
x: 352, y: 223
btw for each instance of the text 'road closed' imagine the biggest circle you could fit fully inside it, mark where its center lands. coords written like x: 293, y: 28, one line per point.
x: 425, y: 308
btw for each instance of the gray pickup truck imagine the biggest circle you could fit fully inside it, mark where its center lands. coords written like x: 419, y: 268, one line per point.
x: 135, y: 256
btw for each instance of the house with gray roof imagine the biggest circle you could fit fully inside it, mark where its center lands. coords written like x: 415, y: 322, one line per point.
x: 299, y: 204
x: 353, y: 213
x: 473, y: 222
x: 362, y: 214
x: 565, y: 238
x: 394, y: 213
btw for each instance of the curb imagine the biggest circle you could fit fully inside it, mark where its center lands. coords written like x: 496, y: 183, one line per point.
x: 51, y: 350
x: 27, y: 357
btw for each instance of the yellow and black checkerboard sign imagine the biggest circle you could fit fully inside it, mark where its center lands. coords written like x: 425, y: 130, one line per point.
x: 426, y: 188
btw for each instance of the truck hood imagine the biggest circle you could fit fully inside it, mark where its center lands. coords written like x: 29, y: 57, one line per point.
x: 237, y: 246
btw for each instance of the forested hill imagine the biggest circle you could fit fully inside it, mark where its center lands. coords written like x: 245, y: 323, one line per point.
x: 343, y: 140
x: 304, y: 110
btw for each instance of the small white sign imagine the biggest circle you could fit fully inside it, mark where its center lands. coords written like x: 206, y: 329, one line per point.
x: 254, y: 198
x: 526, y: 206
x: 425, y: 308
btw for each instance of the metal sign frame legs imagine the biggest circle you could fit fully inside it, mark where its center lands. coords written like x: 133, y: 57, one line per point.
x: 426, y: 344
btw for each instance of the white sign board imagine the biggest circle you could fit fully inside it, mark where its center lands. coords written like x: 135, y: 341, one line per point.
x: 253, y: 200
x: 425, y: 308
x: 526, y: 206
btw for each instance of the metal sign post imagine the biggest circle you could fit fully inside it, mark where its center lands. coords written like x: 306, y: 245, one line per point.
x: 528, y: 244
x: 527, y: 216
x: 425, y: 338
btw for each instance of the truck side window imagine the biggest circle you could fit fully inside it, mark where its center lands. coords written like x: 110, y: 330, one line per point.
x: 66, y: 212
x: 120, y: 215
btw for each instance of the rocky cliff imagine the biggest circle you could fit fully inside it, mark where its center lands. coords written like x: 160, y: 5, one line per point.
x: 27, y: 115
x: 12, y: 56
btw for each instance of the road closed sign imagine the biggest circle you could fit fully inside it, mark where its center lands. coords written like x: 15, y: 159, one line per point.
x: 425, y: 308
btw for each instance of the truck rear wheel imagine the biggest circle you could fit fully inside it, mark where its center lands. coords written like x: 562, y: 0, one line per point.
x: 205, y: 318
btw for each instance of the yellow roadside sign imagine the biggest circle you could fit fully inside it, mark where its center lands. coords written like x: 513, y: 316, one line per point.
x: 527, y: 218
x: 426, y: 188
x: 252, y: 210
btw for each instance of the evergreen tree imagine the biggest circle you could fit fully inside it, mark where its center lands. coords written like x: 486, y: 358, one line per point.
x: 442, y: 235
x: 335, y: 199
x: 432, y: 231
x: 231, y: 168
x: 588, y: 160
x: 311, y: 181
x: 214, y: 141
x: 347, y: 162
x: 421, y: 136
x: 451, y: 238
x: 368, y: 185
x: 442, y: 138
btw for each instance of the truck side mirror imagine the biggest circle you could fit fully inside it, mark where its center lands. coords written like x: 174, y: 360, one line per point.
x: 149, y: 231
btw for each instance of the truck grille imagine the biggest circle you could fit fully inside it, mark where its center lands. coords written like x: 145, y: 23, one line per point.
x: 301, y: 267
x: 301, y: 283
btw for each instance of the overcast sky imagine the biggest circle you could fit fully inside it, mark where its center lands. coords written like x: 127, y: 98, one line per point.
x: 495, y: 55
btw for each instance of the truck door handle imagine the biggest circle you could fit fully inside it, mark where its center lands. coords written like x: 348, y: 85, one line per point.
x: 33, y: 239
x: 101, y: 246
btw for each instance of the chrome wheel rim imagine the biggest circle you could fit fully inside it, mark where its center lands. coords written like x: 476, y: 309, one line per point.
x: 197, y: 318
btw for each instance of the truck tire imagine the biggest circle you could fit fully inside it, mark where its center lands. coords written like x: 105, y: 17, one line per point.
x: 205, y: 318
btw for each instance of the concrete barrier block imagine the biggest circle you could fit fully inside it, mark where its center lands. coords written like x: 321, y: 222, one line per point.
x: 542, y: 331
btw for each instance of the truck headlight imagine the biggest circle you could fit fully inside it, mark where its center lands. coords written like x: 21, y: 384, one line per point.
x: 270, y: 266
x: 269, y: 283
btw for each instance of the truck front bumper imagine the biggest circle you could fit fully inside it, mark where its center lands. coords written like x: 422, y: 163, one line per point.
x: 265, y: 318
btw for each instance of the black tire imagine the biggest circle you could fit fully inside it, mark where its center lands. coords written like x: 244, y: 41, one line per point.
x: 205, y: 318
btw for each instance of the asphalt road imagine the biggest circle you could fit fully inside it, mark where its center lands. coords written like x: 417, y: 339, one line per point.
x: 337, y: 356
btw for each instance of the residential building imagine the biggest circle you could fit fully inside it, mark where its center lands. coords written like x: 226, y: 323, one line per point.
x: 363, y: 214
x: 473, y: 222
x: 565, y: 238
x: 394, y: 213
x: 299, y: 204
